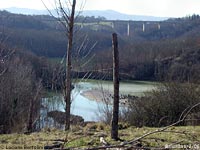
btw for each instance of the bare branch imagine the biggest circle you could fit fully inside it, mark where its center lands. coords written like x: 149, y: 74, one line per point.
x: 49, y: 11
x: 58, y: 13
x: 132, y: 142
x: 88, y: 61
x: 4, y: 71
x: 64, y: 14
x: 165, y: 128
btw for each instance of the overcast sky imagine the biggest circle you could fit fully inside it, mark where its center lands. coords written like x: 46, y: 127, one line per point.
x: 162, y: 8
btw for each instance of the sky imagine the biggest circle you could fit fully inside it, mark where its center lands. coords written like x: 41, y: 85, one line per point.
x: 160, y: 8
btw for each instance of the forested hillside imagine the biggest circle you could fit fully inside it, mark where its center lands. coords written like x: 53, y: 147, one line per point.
x: 144, y: 45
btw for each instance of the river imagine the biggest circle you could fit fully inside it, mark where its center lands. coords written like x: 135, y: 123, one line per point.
x: 87, y: 106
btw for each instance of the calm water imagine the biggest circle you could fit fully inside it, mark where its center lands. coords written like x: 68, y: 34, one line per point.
x: 89, y: 109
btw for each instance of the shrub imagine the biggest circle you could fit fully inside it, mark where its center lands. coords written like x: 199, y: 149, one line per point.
x: 164, y: 105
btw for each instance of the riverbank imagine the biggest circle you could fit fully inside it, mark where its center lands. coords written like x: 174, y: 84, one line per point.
x: 98, y: 90
x: 97, y: 95
x: 106, y: 97
x: 88, y: 97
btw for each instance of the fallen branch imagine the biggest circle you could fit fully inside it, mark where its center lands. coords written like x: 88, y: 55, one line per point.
x: 165, y: 128
x: 133, y: 144
x: 3, y: 72
x: 184, y: 114
x: 53, y: 146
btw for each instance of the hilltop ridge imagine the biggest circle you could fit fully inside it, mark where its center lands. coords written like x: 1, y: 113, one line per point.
x: 108, y: 14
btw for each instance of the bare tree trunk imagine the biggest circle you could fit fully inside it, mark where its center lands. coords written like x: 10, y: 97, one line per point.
x: 115, y: 115
x: 31, y: 106
x: 69, y: 67
x: 30, y: 117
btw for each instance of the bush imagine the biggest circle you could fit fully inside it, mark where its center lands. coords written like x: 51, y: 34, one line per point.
x: 163, y: 106
x: 18, y: 92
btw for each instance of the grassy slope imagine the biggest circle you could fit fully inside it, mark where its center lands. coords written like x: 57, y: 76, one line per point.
x: 89, y: 136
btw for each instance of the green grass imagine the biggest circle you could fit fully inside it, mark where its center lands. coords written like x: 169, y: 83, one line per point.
x: 89, y: 136
x: 96, y: 25
x: 105, y: 23
x: 55, y: 60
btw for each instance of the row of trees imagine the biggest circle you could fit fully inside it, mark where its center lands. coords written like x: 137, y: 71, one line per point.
x: 23, y: 80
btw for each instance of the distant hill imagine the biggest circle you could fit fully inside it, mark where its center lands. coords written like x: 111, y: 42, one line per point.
x: 26, y: 11
x: 36, y: 33
x: 114, y: 15
x: 108, y: 14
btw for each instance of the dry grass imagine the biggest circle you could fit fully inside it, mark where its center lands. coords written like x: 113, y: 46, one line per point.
x: 88, y: 136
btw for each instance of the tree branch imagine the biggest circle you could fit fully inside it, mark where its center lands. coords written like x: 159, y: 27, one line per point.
x: 124, y: 144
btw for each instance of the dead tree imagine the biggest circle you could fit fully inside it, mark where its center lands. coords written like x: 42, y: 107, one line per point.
x: 65, y: 9
x: 66, y: 12
x: 115, y: 114
x: 70, y: 23
x: 31, y: 108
